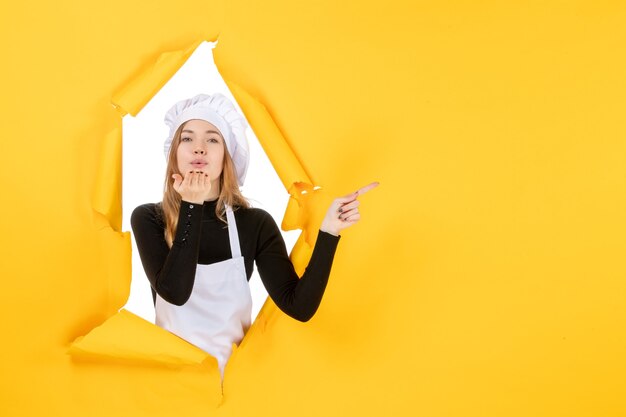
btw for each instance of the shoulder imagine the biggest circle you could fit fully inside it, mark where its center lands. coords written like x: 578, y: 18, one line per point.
x: 254, y: 215
x: 149, y: 213
x: 257, y: 222
x: 260, y: 227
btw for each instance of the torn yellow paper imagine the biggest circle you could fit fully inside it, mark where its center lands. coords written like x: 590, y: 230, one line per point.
x: 135, y: 95
x: 107, y: 189
x: 287, y: 166
x: 127, y: 337
x: 299, y: 211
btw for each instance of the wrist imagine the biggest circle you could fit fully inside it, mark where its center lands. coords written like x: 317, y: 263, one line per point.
x: 330, y: 231
x: 327, y: 227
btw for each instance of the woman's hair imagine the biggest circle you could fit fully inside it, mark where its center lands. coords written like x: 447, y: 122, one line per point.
x: 229, y: 190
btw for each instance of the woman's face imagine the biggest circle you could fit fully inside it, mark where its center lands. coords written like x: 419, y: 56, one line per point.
x: 201, y: 148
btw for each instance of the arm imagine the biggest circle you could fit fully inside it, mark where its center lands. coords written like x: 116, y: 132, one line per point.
x: 297, y: 297
x: 171, y: 272
x: 300, y: 298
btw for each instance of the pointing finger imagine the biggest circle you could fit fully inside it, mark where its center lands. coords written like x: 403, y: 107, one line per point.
x: 347, y: 198
x: 353, y: 196
x: 368, y: 187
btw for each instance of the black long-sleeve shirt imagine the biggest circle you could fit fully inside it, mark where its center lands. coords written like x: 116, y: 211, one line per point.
x: 201, y: 238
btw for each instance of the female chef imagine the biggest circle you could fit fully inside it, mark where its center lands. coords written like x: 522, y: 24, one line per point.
x: 199, y: 244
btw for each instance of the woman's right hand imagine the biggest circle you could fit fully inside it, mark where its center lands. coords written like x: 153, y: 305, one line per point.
x: 194, y: 188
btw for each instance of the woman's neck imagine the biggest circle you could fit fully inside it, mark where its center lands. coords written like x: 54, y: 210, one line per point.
x: 215, y: 191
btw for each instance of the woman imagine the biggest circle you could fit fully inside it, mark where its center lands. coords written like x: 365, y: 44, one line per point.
x: 198, y: 245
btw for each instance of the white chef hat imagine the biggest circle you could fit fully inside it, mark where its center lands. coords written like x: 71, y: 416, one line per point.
x: 218, y: 110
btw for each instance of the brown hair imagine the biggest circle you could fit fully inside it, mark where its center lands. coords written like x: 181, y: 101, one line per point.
x: 229, y: 190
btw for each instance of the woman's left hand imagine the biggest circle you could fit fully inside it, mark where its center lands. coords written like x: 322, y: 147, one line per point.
x: 344, y: 211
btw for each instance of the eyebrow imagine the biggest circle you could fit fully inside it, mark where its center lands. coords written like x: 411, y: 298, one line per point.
x: 208, y: 131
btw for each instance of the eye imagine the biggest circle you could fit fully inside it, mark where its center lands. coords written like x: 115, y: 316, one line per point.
x: 214, y: 140
x: 185, y: 139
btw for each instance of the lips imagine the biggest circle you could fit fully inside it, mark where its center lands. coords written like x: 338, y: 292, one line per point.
x: 198, y: 163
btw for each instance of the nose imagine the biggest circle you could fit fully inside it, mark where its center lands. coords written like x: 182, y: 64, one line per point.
x: 200, y: 150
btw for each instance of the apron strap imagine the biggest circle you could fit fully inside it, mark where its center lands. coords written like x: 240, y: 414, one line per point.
x: 235, y: 250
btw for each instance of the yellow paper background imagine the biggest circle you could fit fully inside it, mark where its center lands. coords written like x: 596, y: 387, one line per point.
x: 486, y: 277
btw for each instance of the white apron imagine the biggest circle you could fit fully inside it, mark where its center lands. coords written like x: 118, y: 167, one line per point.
x: 219, y: 310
